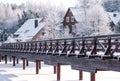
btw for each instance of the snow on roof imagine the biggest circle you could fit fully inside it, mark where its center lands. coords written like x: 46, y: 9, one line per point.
x: 115, y: 17
x: 28, y: 29
x: 77, y: 13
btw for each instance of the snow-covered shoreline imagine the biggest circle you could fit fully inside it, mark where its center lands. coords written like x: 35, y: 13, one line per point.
x: 10, y: 73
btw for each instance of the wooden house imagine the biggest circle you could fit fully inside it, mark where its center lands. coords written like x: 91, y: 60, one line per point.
x: 71, y: 18
x: 31, y: 30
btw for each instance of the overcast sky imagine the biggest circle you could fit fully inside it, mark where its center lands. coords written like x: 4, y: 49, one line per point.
x: 68, y: 3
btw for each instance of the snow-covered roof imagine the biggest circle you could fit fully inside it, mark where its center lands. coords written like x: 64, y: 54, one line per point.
x: 28, y: 29
x: 115, y: 17
x: 77, y: 13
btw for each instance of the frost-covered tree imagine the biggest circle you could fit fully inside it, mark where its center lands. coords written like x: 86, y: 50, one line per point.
x: 99, y: 20
x: 83, y: 4
x: 54, y: 19
x: 14, y: 16
x: 95, y: 22
x: 112, y: 5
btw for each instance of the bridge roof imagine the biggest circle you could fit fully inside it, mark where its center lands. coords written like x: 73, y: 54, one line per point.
x: 28, y: 30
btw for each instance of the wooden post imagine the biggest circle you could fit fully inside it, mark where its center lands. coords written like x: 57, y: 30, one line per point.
x: 17, y: 61
x: 58, y: 72
x: 0, y: 58
x: 80, y: 75
x: 55, y: 69
x: 37, y: 67
x: 13, y: 60
x: 39, y: 63
x: 27, y: 63
x: 5, y: 59
x: 24, y: 63
x: 92, y: 76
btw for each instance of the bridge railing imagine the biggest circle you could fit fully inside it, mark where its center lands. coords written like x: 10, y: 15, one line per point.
x: 94, y: 46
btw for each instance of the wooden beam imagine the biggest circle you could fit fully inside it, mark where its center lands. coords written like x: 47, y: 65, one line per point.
x: 17, y: 61
x: 80, y: 75
x: 92, y: 76
x: 27, y: 62
x: 0, y: 58
x: 58, y: 72
x: 13, y: 60
x: 55, y: 69
x: 37, y: 67
x: 24, y: 63
x: 5, y: 59
x: 39, y: 63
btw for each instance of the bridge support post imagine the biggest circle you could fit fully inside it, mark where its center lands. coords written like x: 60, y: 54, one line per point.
x: 39, y: 62
x: 55, y: 69
x: 5, y: 59
x: 58, y: 72
x: 0, y: 58
x: 24, y: 63
x: 37, y: 66
x: 80, y: 75
x: 13, y: 60
x: 27, y: 63
x: 92, y: 76
x: 17, y: 61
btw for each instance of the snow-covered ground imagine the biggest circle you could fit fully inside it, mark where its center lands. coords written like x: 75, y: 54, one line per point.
x: 10, y: 73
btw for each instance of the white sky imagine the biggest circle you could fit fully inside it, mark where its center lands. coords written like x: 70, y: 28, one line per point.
x: 68, y: 3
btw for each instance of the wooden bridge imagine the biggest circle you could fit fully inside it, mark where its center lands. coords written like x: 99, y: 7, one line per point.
x: 89, y: 54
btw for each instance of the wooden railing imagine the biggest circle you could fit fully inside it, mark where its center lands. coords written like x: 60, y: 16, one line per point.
x: 94, y: 46
x: 89, y: 54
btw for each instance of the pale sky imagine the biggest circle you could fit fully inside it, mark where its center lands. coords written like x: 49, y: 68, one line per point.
x: 68, y: 3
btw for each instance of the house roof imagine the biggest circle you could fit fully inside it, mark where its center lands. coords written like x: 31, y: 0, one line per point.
x: 115, y: 17
x: 77, y: 13
x: 28, y: 29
